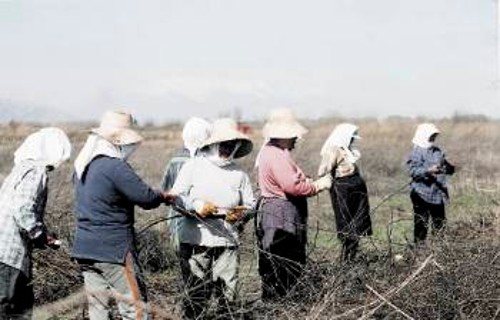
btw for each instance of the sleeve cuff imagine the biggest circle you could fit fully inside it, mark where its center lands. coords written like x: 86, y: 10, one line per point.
x: 36, y: 231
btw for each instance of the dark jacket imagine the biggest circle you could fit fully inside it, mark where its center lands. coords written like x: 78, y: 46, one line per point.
x: 105, y: 199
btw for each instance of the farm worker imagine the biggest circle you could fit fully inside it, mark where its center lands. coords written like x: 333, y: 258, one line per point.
x: 348, y: 194
x: 195, y: 132
x: 428, y: 168
x: 220, y: 193
x: 282, y: 217
x: 106, y: 191
x: 23, y: 197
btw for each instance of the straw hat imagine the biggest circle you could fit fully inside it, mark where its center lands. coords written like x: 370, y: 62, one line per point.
x: 282, y: 124
x: 226, y: 129
x: 116, y: 127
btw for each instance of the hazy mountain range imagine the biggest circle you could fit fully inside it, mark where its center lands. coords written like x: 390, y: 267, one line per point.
x: 10, y: 111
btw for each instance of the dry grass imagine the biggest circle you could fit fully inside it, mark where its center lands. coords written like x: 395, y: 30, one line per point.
x: 460, y: 280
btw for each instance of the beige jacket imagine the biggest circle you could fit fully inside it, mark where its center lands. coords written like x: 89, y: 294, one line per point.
x: 336, y: 160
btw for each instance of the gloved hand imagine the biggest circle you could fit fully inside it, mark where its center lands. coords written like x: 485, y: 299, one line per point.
x: 205, y: 208
x: 323, y: 183
x: 236, y: 214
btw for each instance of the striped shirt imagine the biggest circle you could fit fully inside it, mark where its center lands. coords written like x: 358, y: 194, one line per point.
x: 431, y: 188
x: 22, y: 204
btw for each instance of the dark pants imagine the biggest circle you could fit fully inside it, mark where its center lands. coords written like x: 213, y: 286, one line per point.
x: 349, y: 248
x: 281, y: 228
x: 423, y: 210
x: 281, y: 265
x: 207, y: 270
x: 350, y: 203
x: 16, y: 294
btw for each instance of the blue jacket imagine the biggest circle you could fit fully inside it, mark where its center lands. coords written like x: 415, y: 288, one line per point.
x: 431, y: 188
x: 105, y: 199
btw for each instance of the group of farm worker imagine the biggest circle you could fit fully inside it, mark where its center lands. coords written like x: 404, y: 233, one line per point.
x: 215, y: 197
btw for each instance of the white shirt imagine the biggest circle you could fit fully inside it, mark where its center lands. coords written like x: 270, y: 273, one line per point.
x: 225, y: 187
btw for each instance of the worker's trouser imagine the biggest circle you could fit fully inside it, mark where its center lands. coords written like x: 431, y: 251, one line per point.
x: 16, y: 294
x: 423, y: 211
x: 207, y: 269
x: 124, y: 283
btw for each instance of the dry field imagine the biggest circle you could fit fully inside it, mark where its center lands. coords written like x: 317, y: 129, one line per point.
x: 455, y: 277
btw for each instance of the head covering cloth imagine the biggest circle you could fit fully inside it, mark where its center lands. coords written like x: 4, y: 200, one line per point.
x: 46, y: 147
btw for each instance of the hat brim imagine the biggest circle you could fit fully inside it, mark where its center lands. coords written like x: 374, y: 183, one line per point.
x: 245, y: 148
x: 119, y: 137
x: 246, y: 144
x: 283, y: 130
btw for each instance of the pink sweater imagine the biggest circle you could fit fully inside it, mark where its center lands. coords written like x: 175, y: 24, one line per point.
x: 279, y: 175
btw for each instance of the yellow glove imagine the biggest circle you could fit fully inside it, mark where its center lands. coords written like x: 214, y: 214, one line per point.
x: 235, y: 214
x: 205, y: 208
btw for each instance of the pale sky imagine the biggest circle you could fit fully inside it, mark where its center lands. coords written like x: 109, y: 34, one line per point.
x: 166, y: 59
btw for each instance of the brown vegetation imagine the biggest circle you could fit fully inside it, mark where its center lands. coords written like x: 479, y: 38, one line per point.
x: 456, y: 276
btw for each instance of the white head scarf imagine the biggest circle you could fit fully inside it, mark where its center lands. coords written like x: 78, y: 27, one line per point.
x: 423, y: 133
x: 341, y: 137
x: 46, y: 147
x: 95, y: 146
x: 195, y: 132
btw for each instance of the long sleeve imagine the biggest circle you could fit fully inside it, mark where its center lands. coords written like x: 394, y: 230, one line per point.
x: 31, y: 195
x: 416, y: 167
x: 134, y: 188
x: 201, y: 181
x: 182, y: 186
x: 290, y: 178
x: 431, y: 187
x: 328, y: 162
x: 247, y: 196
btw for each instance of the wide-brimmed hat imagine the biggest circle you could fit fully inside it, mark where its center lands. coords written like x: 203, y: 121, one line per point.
x: 282, y: 124
x: 116, y: 127
x: 226, y: 129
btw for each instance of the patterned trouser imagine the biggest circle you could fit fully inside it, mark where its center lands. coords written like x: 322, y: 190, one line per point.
x: 122, y: 282
x: 204, y: 270
x: 16, y: 294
